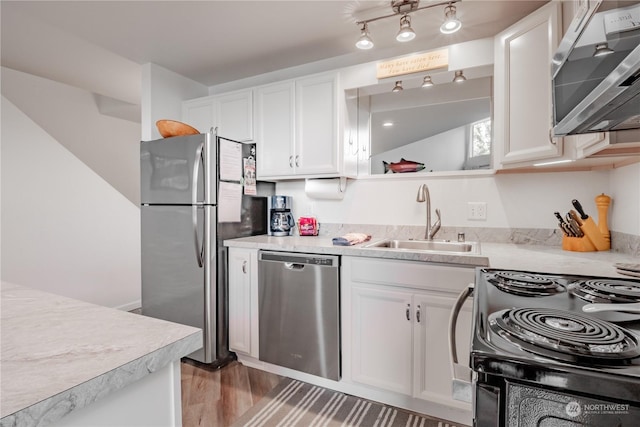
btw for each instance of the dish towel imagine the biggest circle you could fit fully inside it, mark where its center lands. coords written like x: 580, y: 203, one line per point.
x: 351, y: 239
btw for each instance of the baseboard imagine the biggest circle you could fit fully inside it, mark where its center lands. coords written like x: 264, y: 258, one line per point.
x: 133, y: 305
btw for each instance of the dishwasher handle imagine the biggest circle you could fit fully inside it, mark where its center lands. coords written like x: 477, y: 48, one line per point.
x: 297, y: 261
x: 293, y: 266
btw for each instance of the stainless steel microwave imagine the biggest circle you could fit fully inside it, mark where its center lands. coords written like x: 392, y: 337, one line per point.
x: 596, y: 70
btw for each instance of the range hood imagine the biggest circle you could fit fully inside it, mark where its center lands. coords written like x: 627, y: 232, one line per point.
x: 596, y: 93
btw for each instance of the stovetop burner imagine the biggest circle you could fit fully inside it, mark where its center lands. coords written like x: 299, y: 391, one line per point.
x: 606, y: 291
x: 526, y: 284
x: 564, y: 335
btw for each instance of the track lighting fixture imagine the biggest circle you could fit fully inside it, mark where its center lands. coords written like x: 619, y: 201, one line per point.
x: 406, y: 33
x: 602, y: 49
x: 364, y: 42
x: 426, y: 82
x: 451, y: 23
x: 397, y: 87
x: 459, y: 78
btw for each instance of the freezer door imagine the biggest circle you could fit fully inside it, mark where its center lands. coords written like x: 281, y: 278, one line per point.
x: 175, y: 287
x: 180, y: 170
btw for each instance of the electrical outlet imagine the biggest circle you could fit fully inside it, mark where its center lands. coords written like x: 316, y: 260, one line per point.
x: 477, y: 211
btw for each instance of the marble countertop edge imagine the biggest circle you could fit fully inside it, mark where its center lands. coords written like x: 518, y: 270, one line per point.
x: 511, y: 256
x: 56, y: 407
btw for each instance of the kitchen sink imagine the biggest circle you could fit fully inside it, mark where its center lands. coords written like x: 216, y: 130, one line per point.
x: 426, y: 245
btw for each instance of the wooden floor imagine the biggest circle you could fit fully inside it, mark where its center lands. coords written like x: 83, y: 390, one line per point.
x: 216, y: 398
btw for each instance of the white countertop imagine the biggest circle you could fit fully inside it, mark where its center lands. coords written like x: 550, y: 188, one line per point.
x: 543, y: 259
x: 60, y: 354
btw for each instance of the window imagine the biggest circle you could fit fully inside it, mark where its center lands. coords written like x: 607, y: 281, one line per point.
x: 479, y: 145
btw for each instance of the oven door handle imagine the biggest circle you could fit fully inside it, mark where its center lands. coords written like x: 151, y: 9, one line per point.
x: 461, y: 384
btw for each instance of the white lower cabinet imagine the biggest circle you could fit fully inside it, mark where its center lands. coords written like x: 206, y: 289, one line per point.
x: 432, y: 364
x: 381, y: 337
x: 243, y: 301
x: 395, y: 321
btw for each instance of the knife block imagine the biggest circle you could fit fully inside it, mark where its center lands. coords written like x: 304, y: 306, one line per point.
x: 599, y: 233
x: 577, y: 244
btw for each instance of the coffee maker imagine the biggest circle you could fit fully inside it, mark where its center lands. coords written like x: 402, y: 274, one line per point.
x: 281, y: 220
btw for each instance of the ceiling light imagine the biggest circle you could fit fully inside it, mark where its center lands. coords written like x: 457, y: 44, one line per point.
x: 387, y: 124
x: 406, y: 33
x: 364, y: 42
x: 426, y: 82
x: 602, y: 49
x: 459, y: 78
x: 397, y: 87
x: 451, y: 23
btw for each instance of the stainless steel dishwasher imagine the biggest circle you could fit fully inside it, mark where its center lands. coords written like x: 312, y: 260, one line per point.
x: 299, y: 311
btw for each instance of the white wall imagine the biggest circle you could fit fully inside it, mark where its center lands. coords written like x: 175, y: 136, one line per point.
x: 65, y: 230
x: 162, y: 94
x: 109, y: 146
x: 625, y: 192
x: 513, y: 200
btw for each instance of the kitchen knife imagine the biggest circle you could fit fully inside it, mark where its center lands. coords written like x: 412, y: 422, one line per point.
x: 573, y: 225
x: 566, y: 229
x: 590, y: 229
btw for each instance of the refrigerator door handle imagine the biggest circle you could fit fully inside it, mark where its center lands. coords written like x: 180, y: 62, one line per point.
x: 194, y: 204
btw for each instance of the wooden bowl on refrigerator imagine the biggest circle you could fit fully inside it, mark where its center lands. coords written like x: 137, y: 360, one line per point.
x: 169, y: 128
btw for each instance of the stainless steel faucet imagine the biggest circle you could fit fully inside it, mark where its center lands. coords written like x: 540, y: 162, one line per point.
x: 423, y: 196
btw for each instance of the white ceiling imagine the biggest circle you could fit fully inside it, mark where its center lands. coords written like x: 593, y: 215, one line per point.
x: 100, y: 45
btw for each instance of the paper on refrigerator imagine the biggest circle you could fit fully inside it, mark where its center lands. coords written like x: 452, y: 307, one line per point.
x: 229, y: 202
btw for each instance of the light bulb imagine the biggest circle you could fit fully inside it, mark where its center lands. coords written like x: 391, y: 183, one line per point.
x: 451, y: 23
x: 426, y: 82
x: 364, y: 42
x: 406, y: 33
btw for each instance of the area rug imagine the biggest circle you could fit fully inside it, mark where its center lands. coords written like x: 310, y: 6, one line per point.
x: 295, y: 403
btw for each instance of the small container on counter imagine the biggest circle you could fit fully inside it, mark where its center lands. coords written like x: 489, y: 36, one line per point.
x: 308, y: 226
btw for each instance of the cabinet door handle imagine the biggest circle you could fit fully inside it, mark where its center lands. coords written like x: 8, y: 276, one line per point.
x: 244, y: 267
x: 291, y: 162
x: 408, y: 312
x: 297, y: 161
x: 418, y: 314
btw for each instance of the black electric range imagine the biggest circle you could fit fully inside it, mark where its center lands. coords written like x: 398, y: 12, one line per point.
x: 540, y: 359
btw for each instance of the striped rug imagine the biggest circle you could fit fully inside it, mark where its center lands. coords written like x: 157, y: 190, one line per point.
x: 295, y: 403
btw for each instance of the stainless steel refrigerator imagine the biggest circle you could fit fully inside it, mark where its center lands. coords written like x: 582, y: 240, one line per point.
x: 184, y: 263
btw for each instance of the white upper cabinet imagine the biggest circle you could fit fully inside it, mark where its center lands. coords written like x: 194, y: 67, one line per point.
x: 523, y: 104
x: 231, y: 113
x: 275, y: 114
x: 298, y: 128
x: 316, y: 147
x: 234, y: 115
